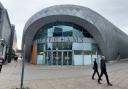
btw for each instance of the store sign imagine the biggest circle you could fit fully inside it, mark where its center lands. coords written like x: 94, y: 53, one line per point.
x: 65, y: 39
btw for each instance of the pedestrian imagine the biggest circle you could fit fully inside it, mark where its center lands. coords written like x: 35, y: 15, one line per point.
x: 103, y: 71
x: 95, y: 68
x: 1, y: 62
x: 16, y: 59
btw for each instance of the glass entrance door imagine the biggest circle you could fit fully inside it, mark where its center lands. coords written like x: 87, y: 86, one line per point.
x: 67, y: 58
x: 57, y: 56
x: 48, y: 57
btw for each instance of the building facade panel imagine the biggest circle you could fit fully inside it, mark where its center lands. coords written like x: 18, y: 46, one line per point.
x: 106, y: 35
x: 6, y: 28
x: 5, y: 34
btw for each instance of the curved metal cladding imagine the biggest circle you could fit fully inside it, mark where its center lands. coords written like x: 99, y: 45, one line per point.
x: 1, y: 6
x: 110, y: 39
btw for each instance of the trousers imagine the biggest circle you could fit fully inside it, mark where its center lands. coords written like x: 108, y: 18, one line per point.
x: 106, y: 75
x: 0, y: 67
x: 95, y: 71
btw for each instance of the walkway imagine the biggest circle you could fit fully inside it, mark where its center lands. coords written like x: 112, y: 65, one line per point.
x: 66, y: 77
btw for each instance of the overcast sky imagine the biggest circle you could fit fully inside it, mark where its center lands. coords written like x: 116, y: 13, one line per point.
x: 116, y: 11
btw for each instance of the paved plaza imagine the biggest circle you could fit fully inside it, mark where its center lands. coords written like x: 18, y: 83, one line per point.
x: 63, y: 77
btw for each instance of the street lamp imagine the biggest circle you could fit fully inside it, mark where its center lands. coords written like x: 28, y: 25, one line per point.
x: 22, y: 74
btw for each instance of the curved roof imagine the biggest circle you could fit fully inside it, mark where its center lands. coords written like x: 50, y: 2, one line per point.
x: 104, y: 32
x: 1, y: 6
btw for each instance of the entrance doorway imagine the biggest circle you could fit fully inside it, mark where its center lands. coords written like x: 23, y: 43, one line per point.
x: 59, y: 57
x: 48, y: 56
x: 67, y: 57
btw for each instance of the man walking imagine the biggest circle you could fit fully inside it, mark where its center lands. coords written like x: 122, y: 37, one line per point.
x: 1, y: 62
x: 103, y: 71
x: 95, y: 68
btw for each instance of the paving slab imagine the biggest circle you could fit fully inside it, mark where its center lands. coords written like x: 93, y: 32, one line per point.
x: 62, y: 77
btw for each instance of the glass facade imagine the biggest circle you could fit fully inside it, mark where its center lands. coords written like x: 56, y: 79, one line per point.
x: 65, y: 43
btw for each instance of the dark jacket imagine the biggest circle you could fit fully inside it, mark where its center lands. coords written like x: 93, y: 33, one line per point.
x: 95, y: 66
x: 103, y: 65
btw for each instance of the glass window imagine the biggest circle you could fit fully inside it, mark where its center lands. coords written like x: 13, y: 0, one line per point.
x: 87, y: 52
x: 77, y: 33
x: 61, y: 29
x: 40, y: 49
x: 48, y: 46
x: 57, y: 46
x: 87, y: 46
x: 82, y: 46
x: 94, y: 47
x: 67, y: 45
x: 78, y: 52
x: 78, y: 46
x: 62, y: 45
x: 50, y: 32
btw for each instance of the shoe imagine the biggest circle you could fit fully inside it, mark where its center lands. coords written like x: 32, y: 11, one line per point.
x: 99, y: 82
x: 93, y: 79
x: 109, y: 84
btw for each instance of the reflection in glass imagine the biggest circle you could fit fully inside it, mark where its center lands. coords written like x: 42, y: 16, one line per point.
x: 61, y: 52
x: 62, y: 29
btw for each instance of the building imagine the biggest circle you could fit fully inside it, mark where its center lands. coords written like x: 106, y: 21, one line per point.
x: 13, y: 43
x: 19, y: 53
x: 14, y: 39
x: 71, y: 35
x: 5, y: 34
